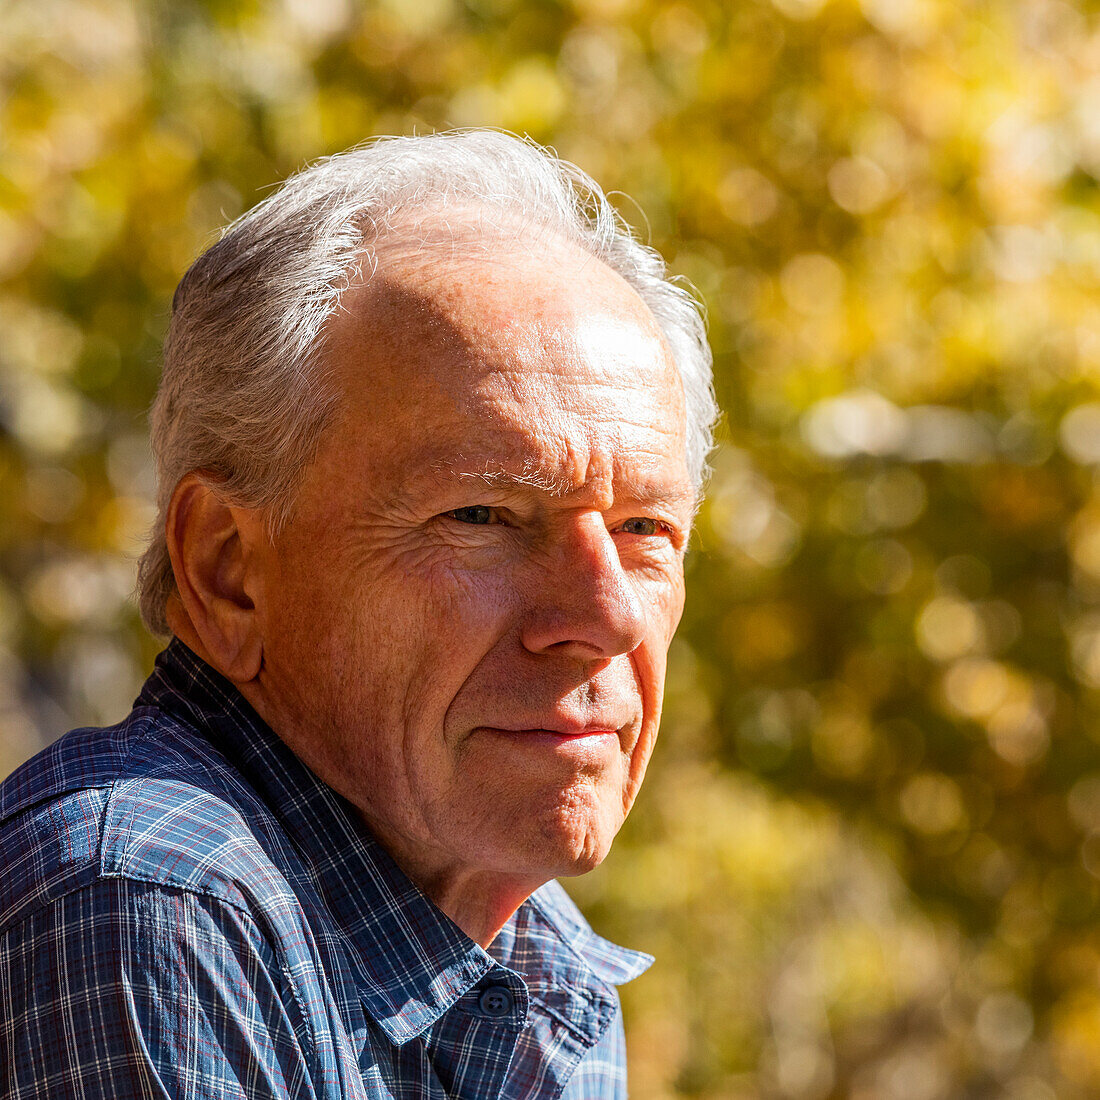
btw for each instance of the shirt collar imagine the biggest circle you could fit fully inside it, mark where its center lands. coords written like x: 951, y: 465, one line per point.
x: 413, y: 961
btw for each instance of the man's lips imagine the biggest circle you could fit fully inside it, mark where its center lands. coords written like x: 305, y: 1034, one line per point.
x: 593, y: 742
x: 562, y: 734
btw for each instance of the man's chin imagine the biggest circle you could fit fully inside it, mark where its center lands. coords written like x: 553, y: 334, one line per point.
x: 581, y: 865
x: 566, y: 848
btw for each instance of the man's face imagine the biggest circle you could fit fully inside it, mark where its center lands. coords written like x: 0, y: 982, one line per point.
x: 467, y: 617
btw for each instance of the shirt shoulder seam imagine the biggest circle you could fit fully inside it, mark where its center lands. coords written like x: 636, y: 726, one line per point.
x: 112, y: 792
x: 91, y: 875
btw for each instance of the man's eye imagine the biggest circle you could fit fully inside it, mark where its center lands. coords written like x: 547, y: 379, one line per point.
x: 476, y: 513
x: 641, y: 525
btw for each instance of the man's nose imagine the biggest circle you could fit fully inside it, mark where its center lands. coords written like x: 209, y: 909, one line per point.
x: 583, y: 604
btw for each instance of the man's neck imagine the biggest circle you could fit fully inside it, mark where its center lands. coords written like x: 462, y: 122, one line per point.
x: 479, y: 903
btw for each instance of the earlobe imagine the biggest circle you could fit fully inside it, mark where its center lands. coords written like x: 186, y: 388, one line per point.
x: 212, y: 546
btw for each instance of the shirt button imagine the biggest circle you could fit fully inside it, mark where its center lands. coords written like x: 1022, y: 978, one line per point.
x: 496, y: 1000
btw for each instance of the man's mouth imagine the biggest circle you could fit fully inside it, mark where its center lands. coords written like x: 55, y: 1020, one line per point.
x: 594, y: 739
x: 567, y: 733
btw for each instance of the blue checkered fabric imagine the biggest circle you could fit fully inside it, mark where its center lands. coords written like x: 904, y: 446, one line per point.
x: 187, y: 911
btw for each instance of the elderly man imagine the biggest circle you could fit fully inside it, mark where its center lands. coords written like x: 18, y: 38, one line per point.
x: 430, y: 437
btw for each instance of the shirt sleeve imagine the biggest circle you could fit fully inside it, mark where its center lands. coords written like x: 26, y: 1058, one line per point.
x: 126, y: 989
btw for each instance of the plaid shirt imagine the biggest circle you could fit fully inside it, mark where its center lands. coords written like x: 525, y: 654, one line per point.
x: 187, y: 911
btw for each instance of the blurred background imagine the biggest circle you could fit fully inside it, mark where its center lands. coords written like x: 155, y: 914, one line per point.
x: 868, y: 853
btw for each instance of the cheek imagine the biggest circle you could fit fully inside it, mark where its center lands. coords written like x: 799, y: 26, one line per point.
x: 649, y: 668
x: 670, y: 603
x: 664, y: 603
x: 419, y: 634
x: 456, y: 611
x: 649, y: 660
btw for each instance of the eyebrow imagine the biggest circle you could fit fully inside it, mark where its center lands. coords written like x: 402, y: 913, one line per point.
x: 530, y: 476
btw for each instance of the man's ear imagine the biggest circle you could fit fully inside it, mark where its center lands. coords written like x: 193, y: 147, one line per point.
x: 213, y: 547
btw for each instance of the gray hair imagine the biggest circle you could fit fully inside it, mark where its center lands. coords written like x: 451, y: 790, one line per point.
x: 243, y: 395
